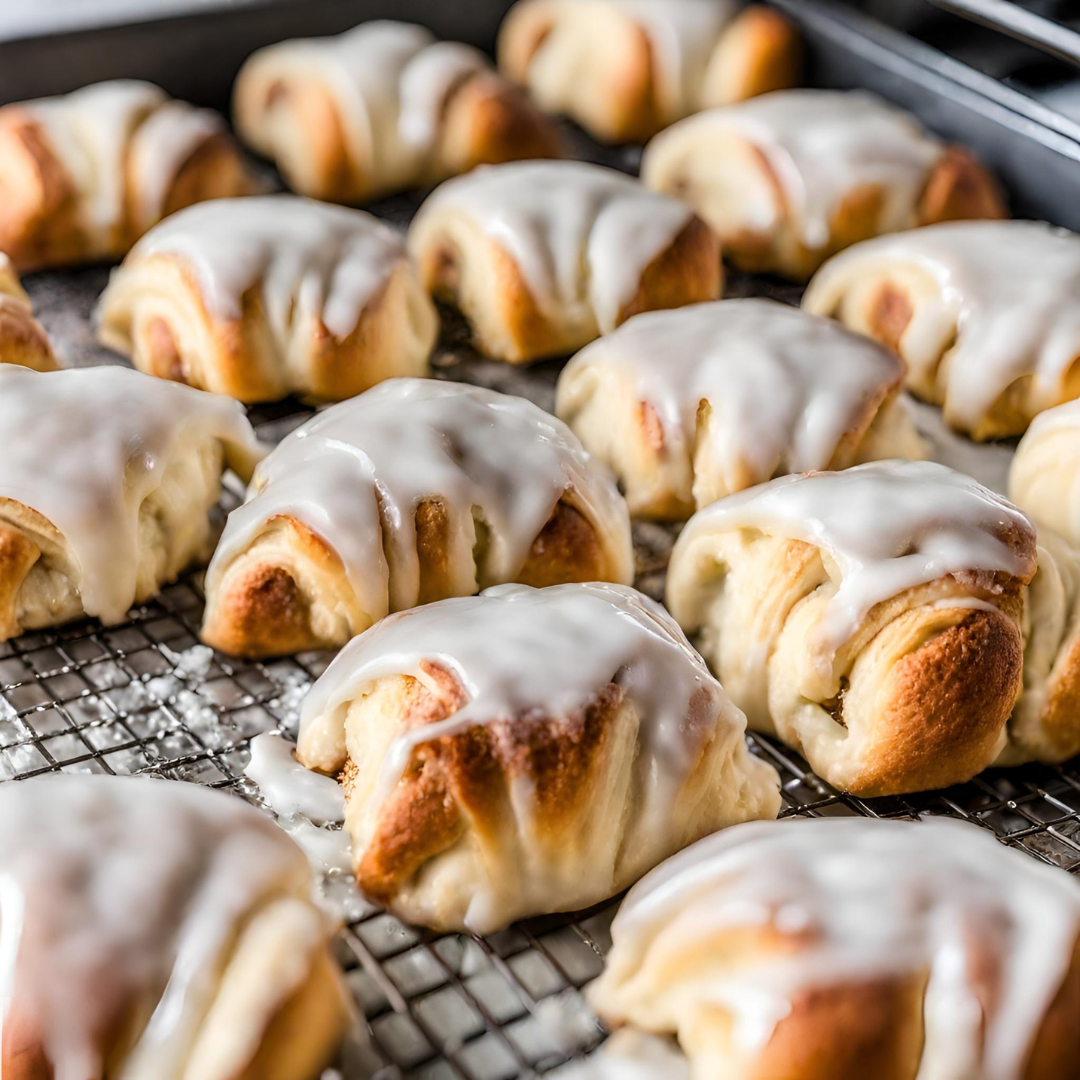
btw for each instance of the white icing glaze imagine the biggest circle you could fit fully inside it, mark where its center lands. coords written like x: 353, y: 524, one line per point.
x: 309, y: 260
x: 579, y: 233
x: 822, y: 145
x: 1011, y: 289
x: 120, y: 898
x: 390, y: 81
x: 288, y: 788
x: 519, y: 651
x: 784, y: 388
x: 868, y: 900
x: 682, y: 35
x: 356, y: 473
x: 85, y: 447
x: 160, y: 148
x: 888, y: 526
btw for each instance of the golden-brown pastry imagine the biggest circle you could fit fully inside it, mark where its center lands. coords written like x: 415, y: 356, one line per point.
x: 263, y: 297
x: 415, y: 491
x: 83, y: 176
x: 23, y: 340
x: 871, y: 618
x: 792, y: 177
x: 1044, y: 478
x: 624, y: 69
x: 382, y: 108
x: 526, y: 751
x: 690, y: 405
x: 107, y: 480
x: 542, y: 257
x: 158, y: 929
x: 986, y: 315
x: 821, y: 949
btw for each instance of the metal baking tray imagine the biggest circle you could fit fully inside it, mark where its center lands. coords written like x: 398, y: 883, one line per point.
x: 131, y: 699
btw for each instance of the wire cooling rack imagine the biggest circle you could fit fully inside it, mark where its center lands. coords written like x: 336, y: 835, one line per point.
x: 142, y: 698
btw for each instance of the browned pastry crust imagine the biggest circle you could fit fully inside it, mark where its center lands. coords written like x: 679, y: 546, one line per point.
x: 23, y: 339
x: 484, y: 282
x: 262, y: 608
x: 608, y: 77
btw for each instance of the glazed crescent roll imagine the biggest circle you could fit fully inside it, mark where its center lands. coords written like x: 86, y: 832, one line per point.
x: 107, y: 480
x: 526, y: 751
x: 1044, y: 478
x: 542, y: 257
x: 986, y: 315
x: 156, y: 928
x: 825, y: 949
x: 382, y: 108
x: 871, y: 618
x: 264, y: 297
x: 792, y: 177
x: 84, y: 175
x: 415, y: 491
x: 624, y: 69
x: 690, y: 405
x: 23, y: 340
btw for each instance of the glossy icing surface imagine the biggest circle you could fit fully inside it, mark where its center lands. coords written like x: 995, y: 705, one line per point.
x: 862, y: 900
x: 308, y: 260
x: 887, y: 526
x: 356, y: 474
x: 120, y: 902
x: 784, y: 389
x: 85, y: 447
x: 580, y: 234
x: 1011, y: 290
x: 519, y: 651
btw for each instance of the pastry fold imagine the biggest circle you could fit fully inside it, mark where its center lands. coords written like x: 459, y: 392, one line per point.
x: 624, y: 69
x: 1044, y: 478
x: 543, y: 257
x: 526, y: 751
x: 84, y: 175
x: 825, y: 949
x: 872, y: 619
x: 382, y: 108
x: 107, y: 481
x: 690, y: 405
x: 792, y: 177
x: 263, y: 297
x: 156, y: 928
x: 415, y: 491
x: 23, y: 340
x: 986, y: 315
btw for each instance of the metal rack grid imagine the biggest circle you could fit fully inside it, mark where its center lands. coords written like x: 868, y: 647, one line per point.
x: 125, y: 700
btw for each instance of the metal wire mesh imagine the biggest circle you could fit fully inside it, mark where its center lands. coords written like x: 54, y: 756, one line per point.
x: 126, y: 700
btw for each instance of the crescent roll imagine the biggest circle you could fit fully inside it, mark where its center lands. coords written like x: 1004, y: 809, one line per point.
x: 624, y: 69
x: 415, y: 491
x: 263, y: 297
x: 690, y: 405
x: 986, y: 315
x: 84, y: 175
x: 792, y: 177
x: 382, y: 108
x: 871, y: 618
x: 107, y: 480
x: 526, y: 751
x: 156, y: 928
x: 1044, y: 478
x: 543, y: 257
x: 23, y: 340
x: 825, y: 949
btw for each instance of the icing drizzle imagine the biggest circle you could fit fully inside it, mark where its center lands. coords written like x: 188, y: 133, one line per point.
x: 85, y: 447
x: 356, y: 473
x: 889, y: 526
x: 866, y: 900
x: 785, y: 389
x: 1011, y: 290
x: 120, y: 898
x: 580, y: 234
